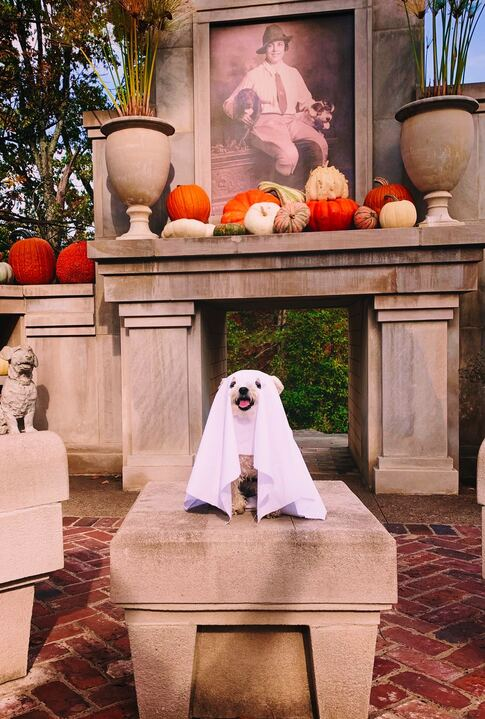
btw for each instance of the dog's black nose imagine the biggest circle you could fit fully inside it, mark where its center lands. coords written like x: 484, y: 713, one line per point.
x: 243, y: 391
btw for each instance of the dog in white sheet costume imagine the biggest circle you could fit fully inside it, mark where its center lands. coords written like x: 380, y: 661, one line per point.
x: 246, y: 436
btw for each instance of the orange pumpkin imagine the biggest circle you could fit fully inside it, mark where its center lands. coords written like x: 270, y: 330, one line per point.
x: 189, y: 202
x: 376, y: 198
x: 33, y: 261
x: 332, y: 214
x: 74, y: 265
x: 235, y: 210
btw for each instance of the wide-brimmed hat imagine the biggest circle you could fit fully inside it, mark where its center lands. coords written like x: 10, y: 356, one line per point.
x: 271, y: 34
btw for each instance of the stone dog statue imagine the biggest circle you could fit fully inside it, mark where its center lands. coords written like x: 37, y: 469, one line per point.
x: 19, y: 393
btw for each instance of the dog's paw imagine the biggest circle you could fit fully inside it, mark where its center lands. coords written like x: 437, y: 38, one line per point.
x: 272, y: 515
x: 239, y: 507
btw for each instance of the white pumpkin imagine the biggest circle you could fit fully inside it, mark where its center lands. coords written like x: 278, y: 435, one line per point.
x: 187, y: 228
x: 6, y: 273
x: 398, y: 213
x: 259, y: 218
x: 326, y: 183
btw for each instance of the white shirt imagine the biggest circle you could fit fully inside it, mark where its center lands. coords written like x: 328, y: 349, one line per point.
x: 261, y: 79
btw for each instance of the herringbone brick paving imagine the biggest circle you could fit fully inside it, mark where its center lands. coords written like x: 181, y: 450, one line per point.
x: 430, y: 654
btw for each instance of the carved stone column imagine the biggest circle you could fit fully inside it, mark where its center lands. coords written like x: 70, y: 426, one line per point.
x: 416, y: 445
x: 167, y: 383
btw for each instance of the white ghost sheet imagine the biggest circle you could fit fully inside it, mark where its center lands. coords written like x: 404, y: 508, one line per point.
x: 284, y: 482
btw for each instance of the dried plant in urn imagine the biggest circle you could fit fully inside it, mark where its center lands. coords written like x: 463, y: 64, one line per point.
x: 437, y: 132
x: 132, y: 31
x: 442, y: 57
x: 137, y: 146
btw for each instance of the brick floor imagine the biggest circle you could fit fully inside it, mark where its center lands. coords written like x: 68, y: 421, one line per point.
x: 430, y: 656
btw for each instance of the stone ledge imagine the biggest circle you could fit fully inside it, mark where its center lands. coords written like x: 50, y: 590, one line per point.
x: 67, y: 290
x: 472, y: 233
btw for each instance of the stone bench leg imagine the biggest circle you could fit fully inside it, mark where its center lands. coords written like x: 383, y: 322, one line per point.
x: 342, y: 650
x: 343, y: 657
x: 163, y: 657
x: 15, y: 617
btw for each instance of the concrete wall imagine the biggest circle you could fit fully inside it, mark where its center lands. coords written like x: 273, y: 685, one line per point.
x: 78, y: 384
x: 391, y: 83
x: 392, y: 65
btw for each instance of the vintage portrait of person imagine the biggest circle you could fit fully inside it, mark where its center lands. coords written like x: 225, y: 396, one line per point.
x: 281, y: 92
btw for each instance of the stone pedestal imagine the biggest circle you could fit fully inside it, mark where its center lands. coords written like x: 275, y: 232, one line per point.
x: 173, y: 356
x: 33, y: 482
x: 296, y: 601
x: 15, y: 615
x: 415, y: 448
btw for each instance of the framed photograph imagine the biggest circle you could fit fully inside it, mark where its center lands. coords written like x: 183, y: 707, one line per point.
x: 276, y: 96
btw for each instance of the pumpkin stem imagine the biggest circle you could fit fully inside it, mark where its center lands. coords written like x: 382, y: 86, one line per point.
x: 392, y: 198
x: 381, y: 180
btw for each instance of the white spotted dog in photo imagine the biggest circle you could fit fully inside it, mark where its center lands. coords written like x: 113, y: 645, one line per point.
x: 320, y: 115
x: 247, y: 453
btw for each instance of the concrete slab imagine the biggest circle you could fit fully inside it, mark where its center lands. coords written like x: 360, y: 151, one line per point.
x: 196, y: 557
x: 40, y: 458
x: 30, y: 542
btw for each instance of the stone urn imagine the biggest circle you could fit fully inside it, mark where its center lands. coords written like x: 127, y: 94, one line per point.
x: 138, y: 162
x: 437, y: 136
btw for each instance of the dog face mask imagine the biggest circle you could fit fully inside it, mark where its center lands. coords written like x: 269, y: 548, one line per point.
x: 248, y: 418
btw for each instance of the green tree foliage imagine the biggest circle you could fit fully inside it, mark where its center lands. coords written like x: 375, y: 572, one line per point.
x: 307, y: 350
x: 45, y: 84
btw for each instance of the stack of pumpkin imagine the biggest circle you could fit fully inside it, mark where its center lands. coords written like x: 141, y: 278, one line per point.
x: 32, y: 261
x: 387, y: 205
x: 273, y: 208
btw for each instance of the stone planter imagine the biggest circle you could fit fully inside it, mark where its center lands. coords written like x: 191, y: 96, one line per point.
x: 437, y: 136
x: 138, y: 162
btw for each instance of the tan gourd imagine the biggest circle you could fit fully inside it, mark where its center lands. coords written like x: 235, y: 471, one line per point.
x: 292, y: 217
x: 397, y: 213
x: 326, y: 183
x: 6, y: 273
x: 187, y: 228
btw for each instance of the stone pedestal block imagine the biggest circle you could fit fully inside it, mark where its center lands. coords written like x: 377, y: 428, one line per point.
x: 204, y: 598
x: 33, y: 482
x: 415, y: 442
x: 33, y: 470
x: 171, y: 364
x: 15, y: 613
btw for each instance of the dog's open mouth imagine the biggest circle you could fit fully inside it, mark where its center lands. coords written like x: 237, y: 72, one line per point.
x: 244, y: 403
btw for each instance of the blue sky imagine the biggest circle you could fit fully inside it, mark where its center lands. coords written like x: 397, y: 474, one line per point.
x: 475, y: 70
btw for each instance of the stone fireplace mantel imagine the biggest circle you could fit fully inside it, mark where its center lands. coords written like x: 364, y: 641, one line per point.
x: 402, y: 291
